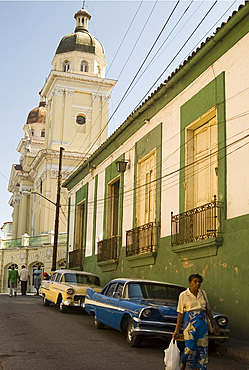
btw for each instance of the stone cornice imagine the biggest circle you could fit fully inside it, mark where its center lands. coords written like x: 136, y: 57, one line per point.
x: 53, y: 75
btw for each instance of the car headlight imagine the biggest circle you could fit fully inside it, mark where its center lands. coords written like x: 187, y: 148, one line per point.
x: 70, y: 291
x: 222, y: 321
x: 146, y: 313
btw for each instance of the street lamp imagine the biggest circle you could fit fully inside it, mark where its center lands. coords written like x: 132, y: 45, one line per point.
x: 121, y: 166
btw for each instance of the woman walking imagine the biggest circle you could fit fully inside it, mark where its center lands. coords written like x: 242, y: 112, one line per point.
x: 193, y: 309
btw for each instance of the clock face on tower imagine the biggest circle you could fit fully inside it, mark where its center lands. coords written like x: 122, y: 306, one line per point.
x: 80, y: 119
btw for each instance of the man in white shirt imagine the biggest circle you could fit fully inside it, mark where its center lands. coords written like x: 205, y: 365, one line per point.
x: 24, y: 277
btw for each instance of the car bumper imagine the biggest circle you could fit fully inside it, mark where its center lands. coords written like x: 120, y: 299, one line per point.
x: 71, y: 303
x: 165, y: 330
x: 152, y: 328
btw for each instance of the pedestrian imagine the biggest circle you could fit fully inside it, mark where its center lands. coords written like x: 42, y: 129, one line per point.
x: 46, y: 276
x: 193, y: 310
x: 24, y: 278
x: 13, y: 278
x: 37, y: 278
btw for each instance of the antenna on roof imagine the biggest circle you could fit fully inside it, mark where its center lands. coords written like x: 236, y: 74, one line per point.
x: 83, y: 7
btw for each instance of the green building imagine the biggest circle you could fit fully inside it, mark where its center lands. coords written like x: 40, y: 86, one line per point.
x: 167, y: 194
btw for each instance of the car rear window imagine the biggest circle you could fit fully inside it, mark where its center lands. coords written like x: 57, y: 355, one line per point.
x: 81, y: 279
x: 154, y: 291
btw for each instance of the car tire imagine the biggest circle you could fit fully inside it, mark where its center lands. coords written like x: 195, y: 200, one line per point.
x: 97, y: 323
x: 45, y: 301
x: 132, y: 340
x: 62, y: 307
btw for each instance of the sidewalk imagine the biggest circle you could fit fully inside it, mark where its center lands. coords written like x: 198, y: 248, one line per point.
x: 235, y: 348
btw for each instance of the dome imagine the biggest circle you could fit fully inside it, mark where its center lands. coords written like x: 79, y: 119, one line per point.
x: 37, y: 115
x: 81, y: 39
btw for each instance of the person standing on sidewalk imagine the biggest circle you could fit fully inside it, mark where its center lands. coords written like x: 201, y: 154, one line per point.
x: 37, y: 279
x: 13, y: 277
x: 24, y: 277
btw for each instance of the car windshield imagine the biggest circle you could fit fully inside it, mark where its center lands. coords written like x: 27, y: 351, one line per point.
x: 154, y: 291
x: 81, y: 279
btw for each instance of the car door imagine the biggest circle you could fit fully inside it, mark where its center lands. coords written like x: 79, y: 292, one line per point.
x: 52, y: 293
x: 113, y: 312
x: 57, y: 287
x: 104, y: 311
x: 116, y: 300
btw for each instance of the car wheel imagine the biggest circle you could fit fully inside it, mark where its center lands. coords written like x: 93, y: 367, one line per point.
x: 62, y: 307
x: 97, y: 323
x: 45, y: 301
x: 133, y: 340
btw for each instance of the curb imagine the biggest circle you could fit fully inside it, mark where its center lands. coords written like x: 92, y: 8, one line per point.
x: 238, y: 350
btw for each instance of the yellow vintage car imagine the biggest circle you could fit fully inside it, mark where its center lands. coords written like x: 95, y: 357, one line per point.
x: 67, y: 288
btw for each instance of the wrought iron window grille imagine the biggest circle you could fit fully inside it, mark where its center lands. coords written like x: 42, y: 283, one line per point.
x: 108, y: 249
x: 75, y: 258
x: 142, y: 239
x: 200, y: 223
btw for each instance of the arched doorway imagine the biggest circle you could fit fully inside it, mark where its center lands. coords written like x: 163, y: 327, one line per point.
x: 32, y: 268
x: 5, y: 277
x: 61, y: 264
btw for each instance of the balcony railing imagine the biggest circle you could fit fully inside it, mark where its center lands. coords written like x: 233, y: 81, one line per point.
x: 12, y: 243
x: 38, y: 240
x: 108, y: 249
x: 142, y: 239
x: 197, y: 224
x: 75, y: 258
x: 33, y: 241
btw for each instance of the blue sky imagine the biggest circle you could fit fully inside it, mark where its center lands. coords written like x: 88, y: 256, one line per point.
x: 32, y: 30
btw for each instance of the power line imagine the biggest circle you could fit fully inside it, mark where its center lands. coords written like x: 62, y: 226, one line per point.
x: 128, y: 29
x: 185, y: 166
x: 152, y: 47
x: 185, y: 43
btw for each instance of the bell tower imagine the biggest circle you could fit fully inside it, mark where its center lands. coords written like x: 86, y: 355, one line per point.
x: 77, y: 93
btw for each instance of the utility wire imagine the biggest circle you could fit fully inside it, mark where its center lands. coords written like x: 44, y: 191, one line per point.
x: 172, y: 60
x: 185, y: 166
x: 152, y: 47
x: 124, y: 37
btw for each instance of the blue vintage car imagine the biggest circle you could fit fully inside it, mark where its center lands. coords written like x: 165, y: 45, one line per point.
x: 140, y: 307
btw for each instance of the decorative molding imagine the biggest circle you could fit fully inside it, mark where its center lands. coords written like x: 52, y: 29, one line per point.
x: 96, y: 97
x: 143, y: 259
x: 48, y: 253
x: 108, y: 265
x: 43, y: 175
x: 21, y: 256
x: 106, y: 98
x: 16, y: 201
x: 88, y: 79
x: 69, y: 93
x: 58, y: 92
x: 200, y: 249
x: 64, y: 174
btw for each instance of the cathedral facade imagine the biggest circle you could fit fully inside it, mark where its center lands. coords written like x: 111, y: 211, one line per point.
x: 73, y: 114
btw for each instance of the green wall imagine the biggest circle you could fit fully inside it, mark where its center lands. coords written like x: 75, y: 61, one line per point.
x: 225, y: 274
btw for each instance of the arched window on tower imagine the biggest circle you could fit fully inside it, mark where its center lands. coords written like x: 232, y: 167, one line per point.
x: 42, y: 133
x: 84, y: 66
x: 66, y: 66
x: 99, y: 71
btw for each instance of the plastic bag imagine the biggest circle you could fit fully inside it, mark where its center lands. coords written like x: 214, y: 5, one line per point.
x: 172, y: 356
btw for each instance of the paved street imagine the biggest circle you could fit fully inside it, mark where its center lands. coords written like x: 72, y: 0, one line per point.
x: 38, y: 337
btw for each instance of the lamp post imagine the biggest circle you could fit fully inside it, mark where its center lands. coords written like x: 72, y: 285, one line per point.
x: 57, y: 212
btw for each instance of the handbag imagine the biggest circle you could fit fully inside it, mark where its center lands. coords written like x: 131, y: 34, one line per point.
x: 172, y: 356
